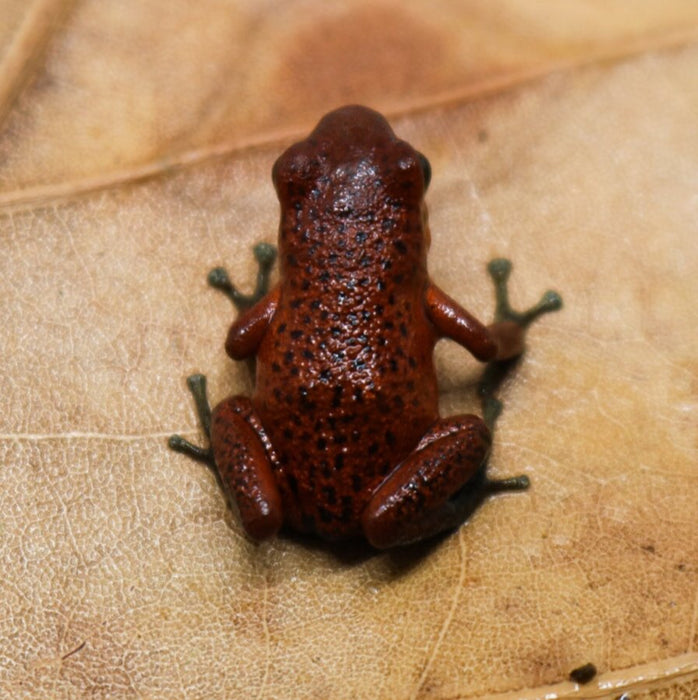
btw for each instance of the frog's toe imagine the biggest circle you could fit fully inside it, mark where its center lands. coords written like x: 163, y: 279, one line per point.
x: 551, y: 301
x: 176, y: 442
x: 265, y: 254
x: 179, y: 444
x: 218, y: 278
x: 499, y: 269
x: 197, y: 383
x: 512, y: 483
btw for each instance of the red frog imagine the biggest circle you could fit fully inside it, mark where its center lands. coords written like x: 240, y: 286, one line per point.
x: 342, y: 435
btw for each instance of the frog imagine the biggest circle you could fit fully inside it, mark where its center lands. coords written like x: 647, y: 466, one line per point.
x: 342, y: 436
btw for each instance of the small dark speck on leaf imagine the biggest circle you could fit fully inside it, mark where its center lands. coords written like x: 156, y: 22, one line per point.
x: 583, y: 674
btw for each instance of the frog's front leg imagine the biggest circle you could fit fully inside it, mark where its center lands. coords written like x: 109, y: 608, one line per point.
x: 265, y: 254
x: 243, y: 339
x: 416, y: 501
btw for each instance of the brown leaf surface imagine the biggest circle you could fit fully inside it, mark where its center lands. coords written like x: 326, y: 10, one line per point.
x: 123, y: 572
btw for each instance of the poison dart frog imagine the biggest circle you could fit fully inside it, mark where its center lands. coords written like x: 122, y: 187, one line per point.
x: 342, y: 435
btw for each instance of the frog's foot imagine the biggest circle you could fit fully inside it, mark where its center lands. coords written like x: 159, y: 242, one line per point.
x: 265, y: 254
x: 499, y: 270
x: 511, y: 483
x: 510, y: 327
x: 462, y: 505
x: 437, y: 487
x: 197, y: 386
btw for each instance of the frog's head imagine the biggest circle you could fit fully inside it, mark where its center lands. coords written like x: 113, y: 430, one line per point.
x: 353, y: 179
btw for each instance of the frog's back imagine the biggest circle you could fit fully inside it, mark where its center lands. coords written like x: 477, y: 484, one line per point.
x: 345, y: 393
x: 345, y: 379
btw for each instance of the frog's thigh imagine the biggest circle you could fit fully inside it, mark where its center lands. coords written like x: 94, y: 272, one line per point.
x: 411, y: 503
x: 244, y: 466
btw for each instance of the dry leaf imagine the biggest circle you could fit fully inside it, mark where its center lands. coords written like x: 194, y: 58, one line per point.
x: 135, y: 154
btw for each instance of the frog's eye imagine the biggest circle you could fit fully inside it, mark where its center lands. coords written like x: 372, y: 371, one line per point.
x: 426, y: 170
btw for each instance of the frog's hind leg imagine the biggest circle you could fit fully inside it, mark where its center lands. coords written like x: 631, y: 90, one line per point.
x: 244, y: 462
x: 415, y: 501
x: 265, y: 254
x: 239, y: 456
x: 197, y: 386
x: 437, y: 487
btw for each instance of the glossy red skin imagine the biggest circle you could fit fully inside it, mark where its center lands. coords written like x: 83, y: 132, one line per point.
x: 345, y: 382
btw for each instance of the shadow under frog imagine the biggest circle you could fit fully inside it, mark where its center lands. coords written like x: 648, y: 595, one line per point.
x: 342, y: 436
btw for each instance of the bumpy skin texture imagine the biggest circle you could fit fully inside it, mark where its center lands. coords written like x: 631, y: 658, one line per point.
x: 345, y: 382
